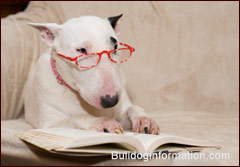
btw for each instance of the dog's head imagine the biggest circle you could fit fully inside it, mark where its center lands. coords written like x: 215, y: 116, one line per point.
x: 101, y: 85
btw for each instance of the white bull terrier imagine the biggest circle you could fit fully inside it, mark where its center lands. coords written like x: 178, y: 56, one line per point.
x: 77, y: 82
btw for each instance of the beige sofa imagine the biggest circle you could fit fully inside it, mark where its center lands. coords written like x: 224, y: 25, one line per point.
x: 185, y: 73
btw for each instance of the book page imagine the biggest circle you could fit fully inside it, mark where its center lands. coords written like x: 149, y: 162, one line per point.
x: 102, y: 148
x: 66, y: 138
x: 152, y: 143
x: 47, y: 139
x: 67, y: 132
x: 173, y: 148
x: 146, y: 139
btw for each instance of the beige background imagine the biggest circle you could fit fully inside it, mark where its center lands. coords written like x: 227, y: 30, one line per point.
x: 185, y: 71
x: 186, y: 52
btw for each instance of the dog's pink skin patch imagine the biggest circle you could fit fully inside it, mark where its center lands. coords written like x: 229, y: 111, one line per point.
x: 108, y: 84
x: 108, y: 87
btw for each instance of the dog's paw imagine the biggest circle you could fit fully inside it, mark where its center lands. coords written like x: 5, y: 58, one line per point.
x: 145, y: 125
x: 110, y: 126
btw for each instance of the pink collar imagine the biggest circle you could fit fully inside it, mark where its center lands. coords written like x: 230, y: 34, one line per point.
x: 58, y: 76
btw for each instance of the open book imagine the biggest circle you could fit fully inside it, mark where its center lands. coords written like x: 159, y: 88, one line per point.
x: 75, y: 141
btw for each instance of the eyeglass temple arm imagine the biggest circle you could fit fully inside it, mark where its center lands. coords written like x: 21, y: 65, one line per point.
x: 67, y: 57
x: 127, y: 46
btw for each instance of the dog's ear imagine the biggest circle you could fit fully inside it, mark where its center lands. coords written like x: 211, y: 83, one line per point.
x: 113, y: 21
x: 48, y: 31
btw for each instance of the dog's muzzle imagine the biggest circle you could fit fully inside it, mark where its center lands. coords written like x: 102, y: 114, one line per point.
x: 108, y: 101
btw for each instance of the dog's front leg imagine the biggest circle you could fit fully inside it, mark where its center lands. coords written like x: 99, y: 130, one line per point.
x: 134, y: 117
x: 141, y: 123
x: 89, y: 122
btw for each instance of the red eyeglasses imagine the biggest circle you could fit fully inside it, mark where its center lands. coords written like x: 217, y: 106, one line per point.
x: 91, y: 60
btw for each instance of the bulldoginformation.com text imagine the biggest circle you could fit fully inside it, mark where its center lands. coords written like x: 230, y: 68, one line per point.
x: 181, y: 156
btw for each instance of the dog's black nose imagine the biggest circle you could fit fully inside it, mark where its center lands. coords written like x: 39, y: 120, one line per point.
x: 108, y: 101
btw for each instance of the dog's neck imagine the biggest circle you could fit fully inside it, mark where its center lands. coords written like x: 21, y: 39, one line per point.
x: 56, y: 73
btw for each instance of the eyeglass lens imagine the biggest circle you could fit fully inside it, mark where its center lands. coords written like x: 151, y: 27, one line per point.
x: 119, y: 56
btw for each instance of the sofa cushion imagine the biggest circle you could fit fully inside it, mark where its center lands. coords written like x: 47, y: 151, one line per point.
x: 21, y: 46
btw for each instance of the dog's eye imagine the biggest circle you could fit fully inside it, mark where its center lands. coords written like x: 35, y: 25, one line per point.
x: 82, y: 50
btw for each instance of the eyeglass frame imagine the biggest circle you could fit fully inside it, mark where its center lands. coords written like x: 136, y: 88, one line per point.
x: 131, y: 49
